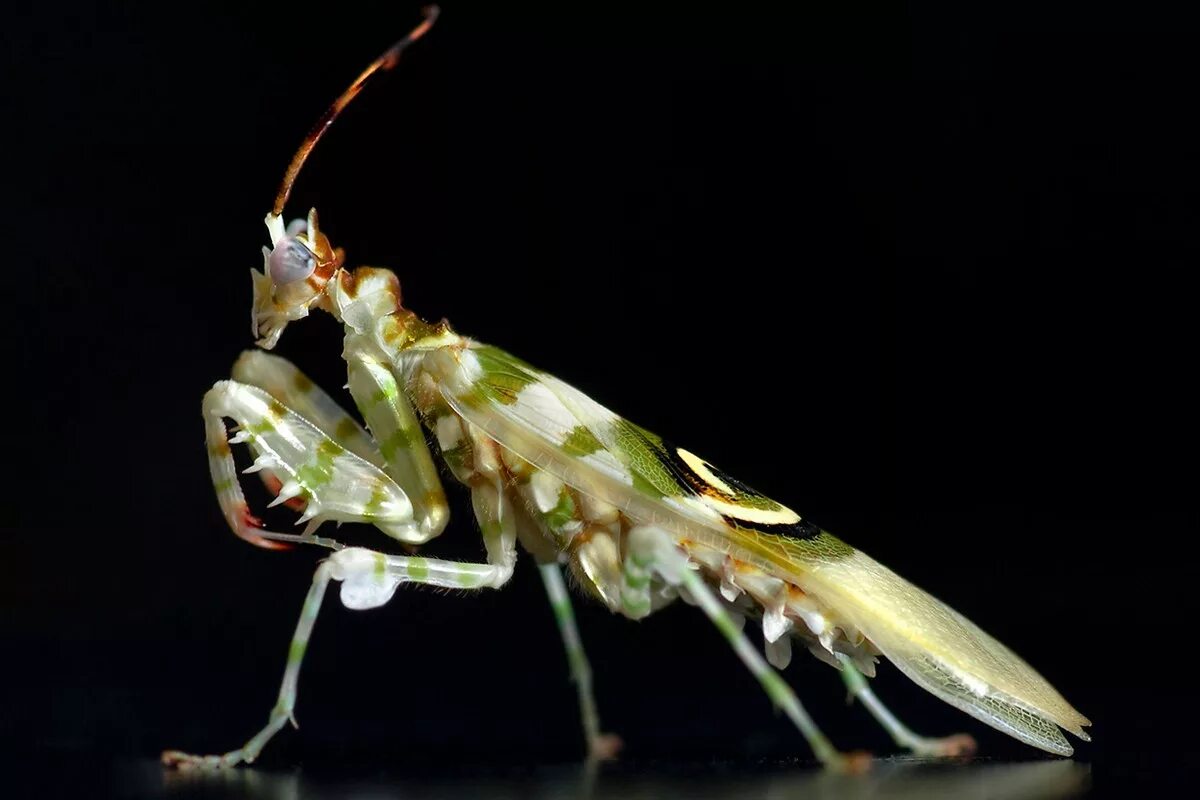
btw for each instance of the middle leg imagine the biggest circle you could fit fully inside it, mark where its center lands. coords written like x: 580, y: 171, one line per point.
x: 554, y: 517
x: 601, y: 746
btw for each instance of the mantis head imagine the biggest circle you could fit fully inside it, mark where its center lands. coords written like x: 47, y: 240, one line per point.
x: 300, y: 261
x: 296, y: 268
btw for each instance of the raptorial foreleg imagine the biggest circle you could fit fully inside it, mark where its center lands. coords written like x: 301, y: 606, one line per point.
x: 335, y: 483
x: 401, y: 440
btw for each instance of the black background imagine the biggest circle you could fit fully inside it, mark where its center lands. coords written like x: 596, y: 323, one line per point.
x: 917, y: 273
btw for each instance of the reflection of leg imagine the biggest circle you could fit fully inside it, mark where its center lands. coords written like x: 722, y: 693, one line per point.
x: 959, y: 744
x: 651, y: 548
x: 601, y: 746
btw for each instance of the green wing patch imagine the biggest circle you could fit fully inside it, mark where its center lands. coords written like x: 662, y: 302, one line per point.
x: 504, y: 376
x: 579, y: 429
x: 581, y: 442
x: 647, y: 459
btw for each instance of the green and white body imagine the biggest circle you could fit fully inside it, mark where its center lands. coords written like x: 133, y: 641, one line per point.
x: 633, y: 520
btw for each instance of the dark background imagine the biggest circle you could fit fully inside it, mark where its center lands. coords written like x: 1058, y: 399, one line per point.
x: 918, y: 273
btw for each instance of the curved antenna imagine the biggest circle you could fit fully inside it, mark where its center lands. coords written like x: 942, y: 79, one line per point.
x: 381, y: 64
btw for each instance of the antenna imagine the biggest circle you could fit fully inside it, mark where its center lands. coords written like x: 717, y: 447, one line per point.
x: 381, y: 64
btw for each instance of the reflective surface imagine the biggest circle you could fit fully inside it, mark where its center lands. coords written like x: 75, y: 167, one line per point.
x: 890, y: 778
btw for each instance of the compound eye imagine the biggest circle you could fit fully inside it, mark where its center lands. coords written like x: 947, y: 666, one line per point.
x: 291, y: 261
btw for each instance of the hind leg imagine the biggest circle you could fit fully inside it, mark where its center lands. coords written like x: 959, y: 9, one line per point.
x: 959, y: 744
x: 651, y: 552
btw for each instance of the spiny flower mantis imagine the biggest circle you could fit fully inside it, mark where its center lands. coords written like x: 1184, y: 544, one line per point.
x: 636, y: 521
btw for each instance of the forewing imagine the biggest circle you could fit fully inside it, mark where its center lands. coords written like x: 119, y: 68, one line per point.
x: 946, y: 653
x: 561, y: 430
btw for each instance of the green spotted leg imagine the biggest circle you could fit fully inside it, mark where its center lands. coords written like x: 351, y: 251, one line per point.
x: 295, y: 390
x: 601, y: 746
x: 333, y: 481
x: 399, y: 435
x: 652, y: 549
x: 497, y: 522
x: 282, y: 380
x: 956, y: 745
x: 369, y: 579
x: 637, y: 573
x: 401, y: 452
x: 284, y: 709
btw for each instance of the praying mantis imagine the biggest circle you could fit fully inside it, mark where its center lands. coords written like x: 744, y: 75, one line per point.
x: 635, y: 521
